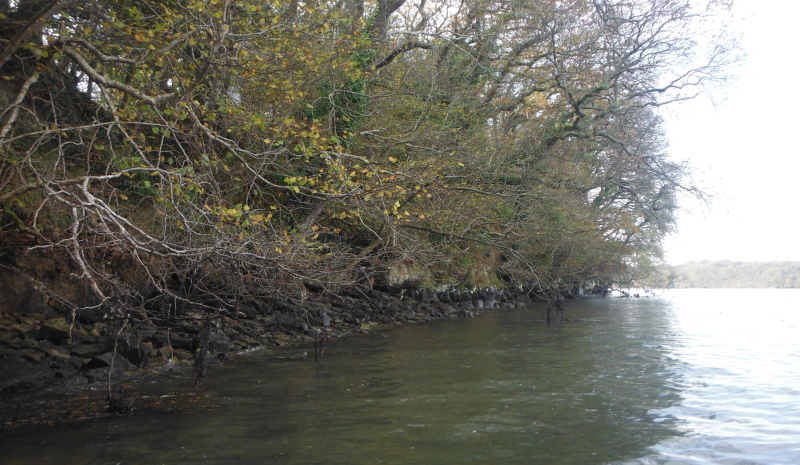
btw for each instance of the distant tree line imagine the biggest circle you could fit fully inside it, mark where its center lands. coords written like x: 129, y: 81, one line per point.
x: 734, y: 274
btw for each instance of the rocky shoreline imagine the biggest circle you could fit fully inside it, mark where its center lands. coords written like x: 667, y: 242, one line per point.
x: 56, y: 369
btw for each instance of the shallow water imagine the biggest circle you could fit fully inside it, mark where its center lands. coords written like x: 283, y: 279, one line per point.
x: 692, y: 377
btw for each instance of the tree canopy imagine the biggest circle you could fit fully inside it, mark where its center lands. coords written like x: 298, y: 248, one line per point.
x: 245, y: 147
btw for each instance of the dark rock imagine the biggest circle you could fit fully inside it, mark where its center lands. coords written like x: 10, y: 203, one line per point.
x: 45, y: 345
x: 179, y: 341
x: 161, y: 339
x: 64, y: 368
x: 8, y: 351
x: 146, y: 335
x: 9, y: 339
x: 56, y: 330
x: 18, y: 375
x: 193, y: 328
x: 218, y: 341
x: 32, y: 355
x: 34, y: 302
x: 448, y: 309
x: 313, y: 286
x: 251, y: 313
x: 104, y: 361
x: 27, y: 332
x: 133, y: 348
x: 291, y: 322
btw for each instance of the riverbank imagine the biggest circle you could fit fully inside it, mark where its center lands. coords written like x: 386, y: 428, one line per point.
x: 56, y: 370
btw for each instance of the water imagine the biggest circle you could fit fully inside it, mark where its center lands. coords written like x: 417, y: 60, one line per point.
x: 693, y: 377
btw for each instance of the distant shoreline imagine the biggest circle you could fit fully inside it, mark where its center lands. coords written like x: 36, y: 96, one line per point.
x: 730, y: 274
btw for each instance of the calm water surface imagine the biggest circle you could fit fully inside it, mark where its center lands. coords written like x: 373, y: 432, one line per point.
x: 691, y: 377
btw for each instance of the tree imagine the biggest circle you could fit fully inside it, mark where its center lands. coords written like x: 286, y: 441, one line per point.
x: 229, y: 150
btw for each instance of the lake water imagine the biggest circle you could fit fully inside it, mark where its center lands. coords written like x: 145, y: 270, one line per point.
x: 690, y: 377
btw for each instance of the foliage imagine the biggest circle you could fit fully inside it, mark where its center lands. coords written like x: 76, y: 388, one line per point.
x: 235, y: 148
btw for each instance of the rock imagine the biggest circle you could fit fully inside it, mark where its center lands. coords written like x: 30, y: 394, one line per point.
x: 7, y: 351
x: 134, y: 351
x: 9, y: 339
x: 18, y: 375
x: 291, y: 322
x: 27, y: 331
x: 281, y: 339
x: 326, y: 320
x: 57, y: 354
x: 193, y: 328
x: 98, y: 330
x: 64, y: 368
x: 165, y: 353
x: 448, y: 309
x: 245, y: 311
x: 218, y: 341
x: 32, y: 355
x: 46, y: 345
x: 250, y: 342
x: 56, y: 330
x: 104, y: 361
x: 179, y: 341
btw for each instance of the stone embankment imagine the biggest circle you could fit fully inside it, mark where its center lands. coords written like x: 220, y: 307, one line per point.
x: 40, y: 350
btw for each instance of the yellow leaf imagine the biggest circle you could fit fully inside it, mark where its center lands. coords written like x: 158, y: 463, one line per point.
x: 393, y: 159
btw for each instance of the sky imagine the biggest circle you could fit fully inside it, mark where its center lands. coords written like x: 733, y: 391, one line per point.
x: 744, y: 144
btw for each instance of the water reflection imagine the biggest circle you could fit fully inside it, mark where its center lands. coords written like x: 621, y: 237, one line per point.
x: 502, y: 388
x: 739, y: 353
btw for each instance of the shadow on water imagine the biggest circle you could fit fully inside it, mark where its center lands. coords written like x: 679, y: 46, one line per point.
x: 501, y: 388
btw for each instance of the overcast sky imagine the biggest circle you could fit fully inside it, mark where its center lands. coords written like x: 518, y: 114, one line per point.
x: 746, y: 148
